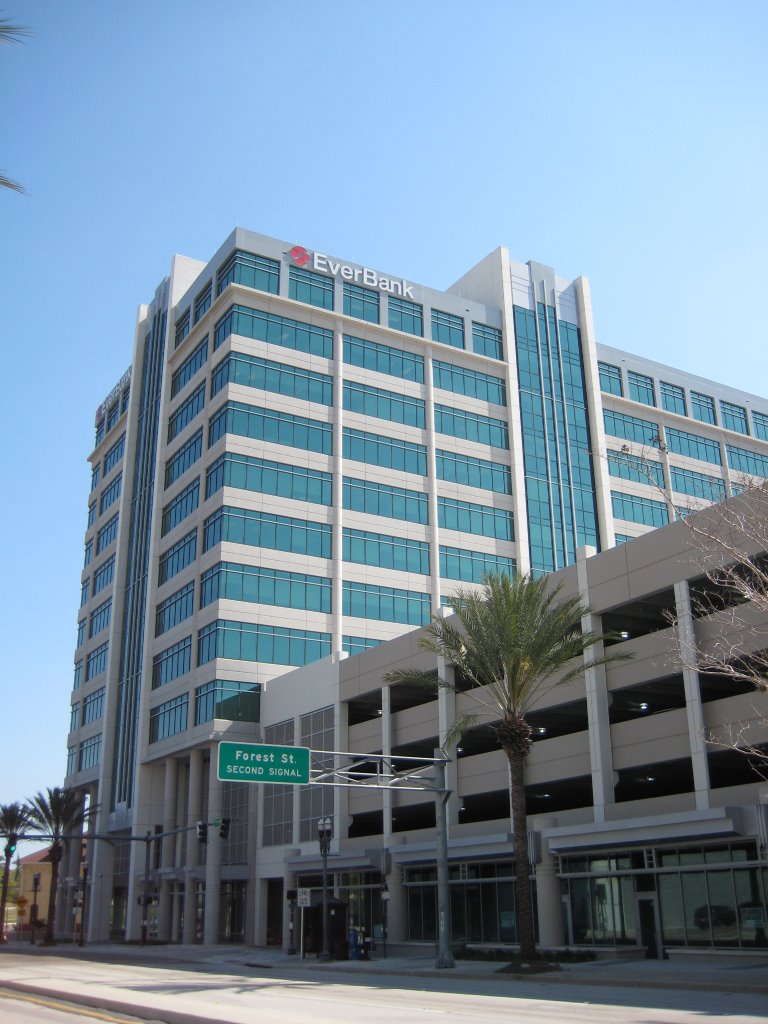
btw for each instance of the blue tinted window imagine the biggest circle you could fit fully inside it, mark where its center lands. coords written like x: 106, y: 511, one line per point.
x: 469, y: 382
x: 376, y: 450
x: 610, y: 379
x: 357, y: 644
x: 386, y: 405
x: 252, y: 372
x: 107, y: 534
x: 194, y: 362
x: 372, y: 355
x: 175, y: 609
x: 447, y: 328
x: 308, y: 286
x: 88, y: 553
x: 177, y: 557
x: 271, y: 425
x: 261, y: 585
x: 274, y: 330
x: 253, y: 474
x: 387, y: 604
x: 486, y: 341
x: 631, y: 428
x: 366, y: 548
x: 406, y: 316
x: 90, y: 753
x: 110, y: 494
x: 472, y: 566
x: 274, y: 645
x: 641, y: 388
x: 183, y: 505
x: 93, y: 706
x: 173, y: 662
x: 264, y: 530
x: 734, y: 417
x: 203, y: 302
x: 760, y: 423
x: 91, y: 514
x: 633, y: 467
x: 227, y: 700
x: 383, y: 500
x: 635, y: 509
x: 672, y: 398
x: 169, y: 718
x: 96, y: 663
x: 471, y: 426
x: 95, y: 474
x: 182, y: 328
x: 248, y: 269
x: 703, y: 408
x: 100, y: 618
x: 747, y: 462
x: 185, y: 457
x: 84, y: 588
x: 104, y: 575
x: 687, y: 481
x: 466, y: 517
x: 695, y: 447
x: 362, y: 303
x: 78, y: 675
x: 186, y: 412
x: 114, y: 455
x: 463, y: 469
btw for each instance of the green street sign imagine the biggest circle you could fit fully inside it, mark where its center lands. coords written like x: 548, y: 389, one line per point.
x: 263, y: 762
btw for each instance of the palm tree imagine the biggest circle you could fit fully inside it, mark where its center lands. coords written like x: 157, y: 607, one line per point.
x: 9, y: 35
x: 55, y: 815
x: 13, y: 824
x: 514, y: 639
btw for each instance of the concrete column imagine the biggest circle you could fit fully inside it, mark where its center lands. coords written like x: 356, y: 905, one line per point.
x: 194, y: 805
x: 433, y: 530
x: 386, y: 748
x: 693, y: 707
x: 548, y: 895
x: 396, y: 910
x: 213, y: 857
x: 168, y: 846
x: 337, y: 594
x: 600, y: 751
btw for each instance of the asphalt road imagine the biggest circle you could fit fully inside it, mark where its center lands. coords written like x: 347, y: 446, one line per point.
x: 182, y: 996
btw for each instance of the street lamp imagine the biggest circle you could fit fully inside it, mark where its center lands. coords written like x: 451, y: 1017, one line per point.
x: 35, y: 891
x: 324, y: 833
x: 83, y: 903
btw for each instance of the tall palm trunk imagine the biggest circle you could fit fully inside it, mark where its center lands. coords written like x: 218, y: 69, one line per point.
x: 524, y: 903
x: 514, y: 734
x: 50, y: 923
x: 4, y: 895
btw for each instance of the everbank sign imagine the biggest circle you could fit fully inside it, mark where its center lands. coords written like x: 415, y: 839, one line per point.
x: 362, y: 275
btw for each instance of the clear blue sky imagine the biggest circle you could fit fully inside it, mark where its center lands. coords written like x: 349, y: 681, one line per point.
x: 624, y: 141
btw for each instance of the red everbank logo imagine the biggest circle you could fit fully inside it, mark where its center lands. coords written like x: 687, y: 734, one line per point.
x: 300, y: 256
x: 362, y: 275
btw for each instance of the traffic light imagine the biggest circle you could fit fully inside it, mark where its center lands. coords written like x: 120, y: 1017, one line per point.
x: 10, y: 846
x: 202, y: 832
x: 224, y: 828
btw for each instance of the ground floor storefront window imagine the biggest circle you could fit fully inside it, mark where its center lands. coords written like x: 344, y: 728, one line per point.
x: 706, y: 896
x: 482, y: 902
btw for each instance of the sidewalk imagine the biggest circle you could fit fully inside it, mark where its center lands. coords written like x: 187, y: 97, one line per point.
x: 747, y: 973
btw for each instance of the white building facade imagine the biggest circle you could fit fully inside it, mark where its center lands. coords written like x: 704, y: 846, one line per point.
x: 306, y: 457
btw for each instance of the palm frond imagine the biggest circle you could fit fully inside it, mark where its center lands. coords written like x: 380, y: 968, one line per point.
x: 11, y: 184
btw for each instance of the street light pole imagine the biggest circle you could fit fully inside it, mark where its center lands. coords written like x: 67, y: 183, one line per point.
x: 84, y: 903
x: 33, y: 919
x: 324, y: 833
x: 145, y: 898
